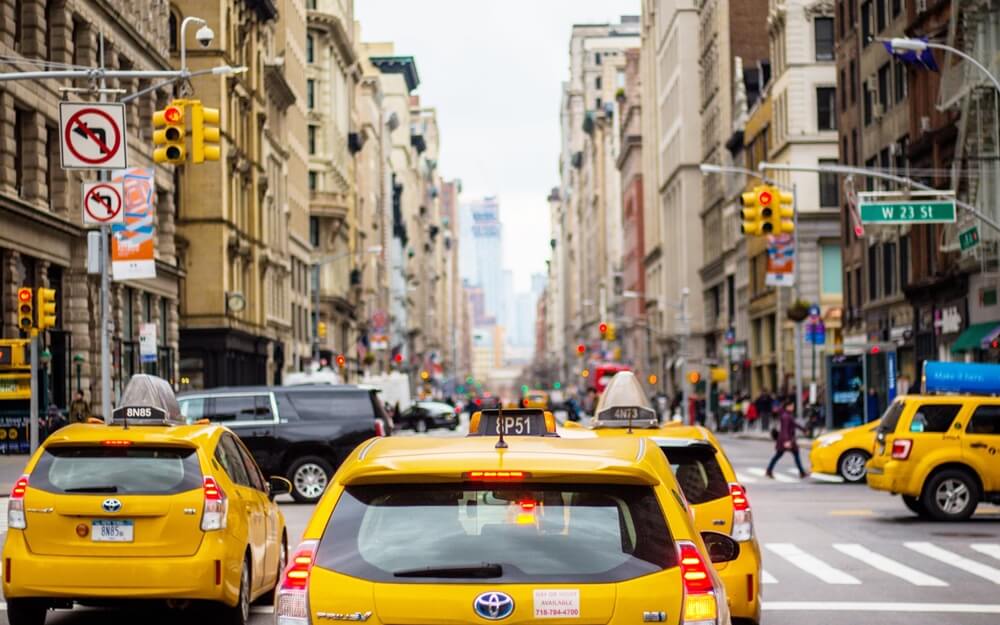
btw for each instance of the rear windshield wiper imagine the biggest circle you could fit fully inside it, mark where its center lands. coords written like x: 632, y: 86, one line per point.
x: 477, y: 571
x: 92, y: 489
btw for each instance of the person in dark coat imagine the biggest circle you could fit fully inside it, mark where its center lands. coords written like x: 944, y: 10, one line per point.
x: 786, y: 440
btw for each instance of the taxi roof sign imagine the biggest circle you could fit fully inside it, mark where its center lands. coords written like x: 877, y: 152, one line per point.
x: 969, y: 378
x: 624, y: 404
x: 512, y: 422
x: 148, y: 399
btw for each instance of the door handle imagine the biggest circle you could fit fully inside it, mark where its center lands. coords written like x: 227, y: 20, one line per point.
x: 977, y: 445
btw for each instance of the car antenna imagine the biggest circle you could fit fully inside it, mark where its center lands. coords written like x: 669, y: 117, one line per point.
x: 501, y: 444
x: 629, y: 422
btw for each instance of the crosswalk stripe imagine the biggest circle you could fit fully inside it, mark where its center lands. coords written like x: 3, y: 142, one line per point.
x: 745, y: 479
x: 761, y: 473
x: 767, y: 578
x: 811, y: 564
x: 888, y: 565
x: 989, y: 549
x: 948, y: 557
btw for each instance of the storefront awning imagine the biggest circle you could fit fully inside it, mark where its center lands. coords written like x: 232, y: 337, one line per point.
x: 973, y: 336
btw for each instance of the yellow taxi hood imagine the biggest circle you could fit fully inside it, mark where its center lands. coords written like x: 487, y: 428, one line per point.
x: 97, y: 434
x: 541, y: 458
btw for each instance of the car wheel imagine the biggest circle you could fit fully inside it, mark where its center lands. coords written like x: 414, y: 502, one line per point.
x: 268, y: 597
x: 914, y: 504
x: 309, y: 476
x: 239, y: 614
x: 852, y: 466
x: 26, y: 612
x: 951, y: 495
x: 420, y: 426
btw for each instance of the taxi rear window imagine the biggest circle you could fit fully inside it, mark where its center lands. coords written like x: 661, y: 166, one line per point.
x: 505, y: 532
x: 891, y: 417
x: 698, y: 473
x: 123, y: 470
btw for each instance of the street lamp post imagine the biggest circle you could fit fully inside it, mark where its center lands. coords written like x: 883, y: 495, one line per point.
x: 919, y: 45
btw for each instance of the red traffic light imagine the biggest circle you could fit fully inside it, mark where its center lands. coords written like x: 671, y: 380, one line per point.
x: 995, y: 343
x: 24, y: 295
x: 172, y: 114
x: 341, y: 361
x: 398, y: 358
x: 876, y: 349
x: 580, y: 349
x: 603, y: 328
x: 765, y: 197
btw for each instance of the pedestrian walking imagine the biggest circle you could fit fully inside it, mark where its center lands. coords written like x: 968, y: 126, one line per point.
x: 763, y: 405
x: 79, y: 409
x: 785, y: 440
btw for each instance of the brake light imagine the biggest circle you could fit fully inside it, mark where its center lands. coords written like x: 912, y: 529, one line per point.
x: 700, y: 607
x: 116, y: 443
x: 379, y: 427
x: 742, y: 518
x: 216, y: 506
x: 901, y: 448
x: 495, y: 476
x: 292, y: 605
x: 15, y: 505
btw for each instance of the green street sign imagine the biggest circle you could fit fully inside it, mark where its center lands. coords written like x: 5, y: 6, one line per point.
x: 969, y: 238
x: 914, y: 212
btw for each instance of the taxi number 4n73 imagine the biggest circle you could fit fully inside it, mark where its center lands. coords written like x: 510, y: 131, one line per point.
x: 116, y: 531
x: 514, y: 425
x: 625, y: 413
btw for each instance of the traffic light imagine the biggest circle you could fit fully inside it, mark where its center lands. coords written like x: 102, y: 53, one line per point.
x: 398, y: 358
x: 556, y: 385
x: 25, y: 310
x: 581, y: 349
x: 204, y: 139
x: 603, y: 329
x: 585, y: 373
x: 341, y: 361
x: 785, y: 214
x: 766, y: 202
x: 168, y: 134
x: 652, y: 379
x: 321, y: 329
x: 751, y: 214
x: 694, y: 377
x: 424, y: 375
x: 46, y: 309
x: 609, y: 333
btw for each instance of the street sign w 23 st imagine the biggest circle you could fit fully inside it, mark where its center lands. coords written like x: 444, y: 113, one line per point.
x: 92, y: 135
x: 915, y: 212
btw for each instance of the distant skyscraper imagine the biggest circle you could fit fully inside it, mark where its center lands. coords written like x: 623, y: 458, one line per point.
x: 484, y: 252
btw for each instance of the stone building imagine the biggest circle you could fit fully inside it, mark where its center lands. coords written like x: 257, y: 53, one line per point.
x: 42, y: 238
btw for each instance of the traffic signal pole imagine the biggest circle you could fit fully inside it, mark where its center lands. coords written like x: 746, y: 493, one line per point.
x: 797, y: 292
x: 33, y: 404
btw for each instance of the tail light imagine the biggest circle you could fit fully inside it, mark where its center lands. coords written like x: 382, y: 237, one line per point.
x: 742, y: 518
x: 700, y: 607
x: 292, y: 605
x: 379, y: 427
x: 15, y: 505
x: 216, y: 506
x: 495, y: 476
x: 901, y: 448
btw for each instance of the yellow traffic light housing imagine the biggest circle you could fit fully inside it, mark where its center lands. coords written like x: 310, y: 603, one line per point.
x: 784, y: 218
x: 751, y: 214
x: 169, y: 134
x: 610, y: 333
x: 46, y: 309
x: 204, y: 138
x: 767, y: 205
x: 25, y: 309
x: 321, y: 329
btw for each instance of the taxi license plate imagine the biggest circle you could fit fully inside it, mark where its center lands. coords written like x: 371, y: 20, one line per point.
x: 515, y: 425
x: 8, y: 386
x: 117, y: 531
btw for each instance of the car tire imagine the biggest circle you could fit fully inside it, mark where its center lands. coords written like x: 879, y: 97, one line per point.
x: 309, y: 476
x: 239, y: 614
x: 268, y: 597
x: 951, y: 495
x: 915, y: 505
x: 420, y: 426
x: 26, y: 612
x: 851, y: 466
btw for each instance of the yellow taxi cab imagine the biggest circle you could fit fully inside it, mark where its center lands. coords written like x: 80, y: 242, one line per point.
x: 535, y: 398
x: 844, y: 452
x: 144, y: 508
x: 706, y: 477
x: 505, y: 527
x: 940, y: 451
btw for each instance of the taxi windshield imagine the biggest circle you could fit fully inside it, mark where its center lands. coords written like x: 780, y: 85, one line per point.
x: 516, y: 533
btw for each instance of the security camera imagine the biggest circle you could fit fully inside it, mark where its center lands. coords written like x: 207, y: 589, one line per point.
x: 205, y: 36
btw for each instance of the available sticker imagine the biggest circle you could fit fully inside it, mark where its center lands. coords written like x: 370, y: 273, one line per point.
x: 557, y: 603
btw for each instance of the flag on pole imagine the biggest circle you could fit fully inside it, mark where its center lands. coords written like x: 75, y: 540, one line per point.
x: 922, y: 58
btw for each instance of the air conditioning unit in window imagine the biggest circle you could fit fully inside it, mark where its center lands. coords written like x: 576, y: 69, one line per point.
x: 921, y: 6
x: 877, y: 111
x: 925, y: 123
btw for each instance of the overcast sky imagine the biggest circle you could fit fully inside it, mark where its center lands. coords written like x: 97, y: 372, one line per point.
x: 493, y: 70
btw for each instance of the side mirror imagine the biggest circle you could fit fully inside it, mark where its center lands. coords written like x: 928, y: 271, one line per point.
x: 721, y: 548
x: 278, y: 486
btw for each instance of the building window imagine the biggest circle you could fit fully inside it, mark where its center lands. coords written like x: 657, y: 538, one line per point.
x: 854, y: 147
x: 843, y: 90
x: 866, y: 23
x: 899, y: 80
x: 311, y: 5
x: 840, y: 18
x: 52, y: 143
x: 20, y: 122
x: 826, y: 108
x: 310, y: 49
x: 828, y: 187
x: 849, y: 297
x: 312, y: 139
x: 833, y: 272
x: 597, y: 83
x: 868, y: 105
x: 879, y: 15
x: 313, y: 181
x: 597, y: 58
x: 824, y: 38
x: 883, y: 87
x: 871, y: 163
x: 854, y: 82
x: 904, y: 261
x: 889, y: 267
x: 311, y: 94
x: 872, y: 273
x: 172, y: 31
x: 897, y: 7
x: 314, y: 231
x: 852, y: 12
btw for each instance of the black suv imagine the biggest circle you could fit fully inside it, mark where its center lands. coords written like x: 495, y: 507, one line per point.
x: 300, y: 432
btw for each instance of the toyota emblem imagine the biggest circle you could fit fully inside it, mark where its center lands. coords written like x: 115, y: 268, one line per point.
x: 493, y: 605
x: 111, y: 505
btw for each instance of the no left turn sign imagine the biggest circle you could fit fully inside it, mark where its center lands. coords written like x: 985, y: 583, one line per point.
x: 102, y: 203
x: 92, y: 135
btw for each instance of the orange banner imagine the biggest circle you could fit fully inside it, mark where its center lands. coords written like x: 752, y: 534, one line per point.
x: 133, y: 255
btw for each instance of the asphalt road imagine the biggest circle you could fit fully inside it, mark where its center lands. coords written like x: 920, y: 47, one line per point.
x: 834, y: 554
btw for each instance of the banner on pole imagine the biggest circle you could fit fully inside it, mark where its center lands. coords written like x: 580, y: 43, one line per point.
x: 780, y: 261
x: 133, y: 255
x: 147, y: 342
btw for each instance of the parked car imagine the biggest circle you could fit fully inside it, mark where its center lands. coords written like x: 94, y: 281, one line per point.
x: 424, y: 415
x: 299, y: 432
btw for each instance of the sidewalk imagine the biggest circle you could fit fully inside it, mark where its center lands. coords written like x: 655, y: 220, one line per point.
x: 11, y: 468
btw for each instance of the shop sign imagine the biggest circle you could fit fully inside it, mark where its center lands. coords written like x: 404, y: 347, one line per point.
x: 947, y: 320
